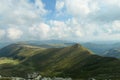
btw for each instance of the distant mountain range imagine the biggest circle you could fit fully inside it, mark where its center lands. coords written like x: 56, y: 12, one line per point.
x: 73, y: 61
x: 96, y: 48
x: 101, y: 49
x: 3, y: 44
x: 113, y: 53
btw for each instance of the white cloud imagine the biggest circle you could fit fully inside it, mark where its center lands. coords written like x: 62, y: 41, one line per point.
x: 59, y: 5
x: 2, y: 33
x: 93, y: 10
x: 59, y: 29
x: 116, y: 26
x: 81, y: 7
x: 113, y: 2
x: 78, y: 33
x: 78, y: 19
x: 14, y: 33
x: 40, y: 31
x: 21, y: 12
x: 63, y: 30
x: 93, y: 18
x: 55, y: 30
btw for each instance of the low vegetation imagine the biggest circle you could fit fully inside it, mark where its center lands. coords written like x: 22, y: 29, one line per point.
x: 8, y: 61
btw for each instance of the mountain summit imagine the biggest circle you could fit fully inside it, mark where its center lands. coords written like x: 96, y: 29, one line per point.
x: 77, y: 45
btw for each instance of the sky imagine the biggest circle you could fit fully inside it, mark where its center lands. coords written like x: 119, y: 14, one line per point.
x: 80, y: 20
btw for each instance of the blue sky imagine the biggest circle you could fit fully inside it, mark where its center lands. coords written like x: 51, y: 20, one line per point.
x: 50, y: 5
x: 80, y: 20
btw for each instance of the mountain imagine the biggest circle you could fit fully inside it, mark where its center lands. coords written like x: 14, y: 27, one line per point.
x: 52, y: 45
x: 48, y: 43
x: 3, y: 44
x: 52, y: 41
x: 73, y: 61
x: 100, y: 48
x: 19, y: 51
x: 113, y: 53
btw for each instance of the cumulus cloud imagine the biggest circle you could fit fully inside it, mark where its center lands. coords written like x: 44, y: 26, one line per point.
x: 113, y: 2
x: 94, y: 9
x: 59, y: 5
x: 116, y: 26
x: 59, y: 29
x: 78, y: 19
x: 95, y: 18
x: 81, y: 7
x: 40, y: 31
x: 2, y: 33
x: 14, y: 33
x: 21, y: 12
x: 56, y: 30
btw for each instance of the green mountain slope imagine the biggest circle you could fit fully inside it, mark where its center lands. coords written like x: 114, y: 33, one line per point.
x: 73, y: 61
x: 19, y: 51
x: 58, y: 58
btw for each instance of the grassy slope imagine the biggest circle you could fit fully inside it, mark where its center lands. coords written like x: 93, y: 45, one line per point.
x: 8, y: 61
x: 20, y: 51
x: 76, y: 62
x: 58, y: 58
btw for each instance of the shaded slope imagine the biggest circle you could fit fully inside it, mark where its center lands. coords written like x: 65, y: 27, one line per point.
x: 59, y: 58
x: 19, y: 51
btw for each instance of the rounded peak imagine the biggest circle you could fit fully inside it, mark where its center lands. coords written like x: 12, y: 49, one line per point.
x: 77, y: 45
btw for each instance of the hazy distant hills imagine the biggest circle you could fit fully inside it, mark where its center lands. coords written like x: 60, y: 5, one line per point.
x: 49, y: 43
x: 100, y: 48
x: 3, y: 44
x: 43, y: 43
x: 73, y: 61
x: 97, y: 48
x: 113, y: 53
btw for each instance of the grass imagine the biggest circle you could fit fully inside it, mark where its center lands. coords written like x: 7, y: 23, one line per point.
x: 5, y: 79
x: 8, y: 61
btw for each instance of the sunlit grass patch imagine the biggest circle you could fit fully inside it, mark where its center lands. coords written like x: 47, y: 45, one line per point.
x: 8, y: 61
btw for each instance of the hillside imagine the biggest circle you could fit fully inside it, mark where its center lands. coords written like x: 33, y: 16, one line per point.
x: 3, y: 44
x: 19, y: 51
x: 74, y: 61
